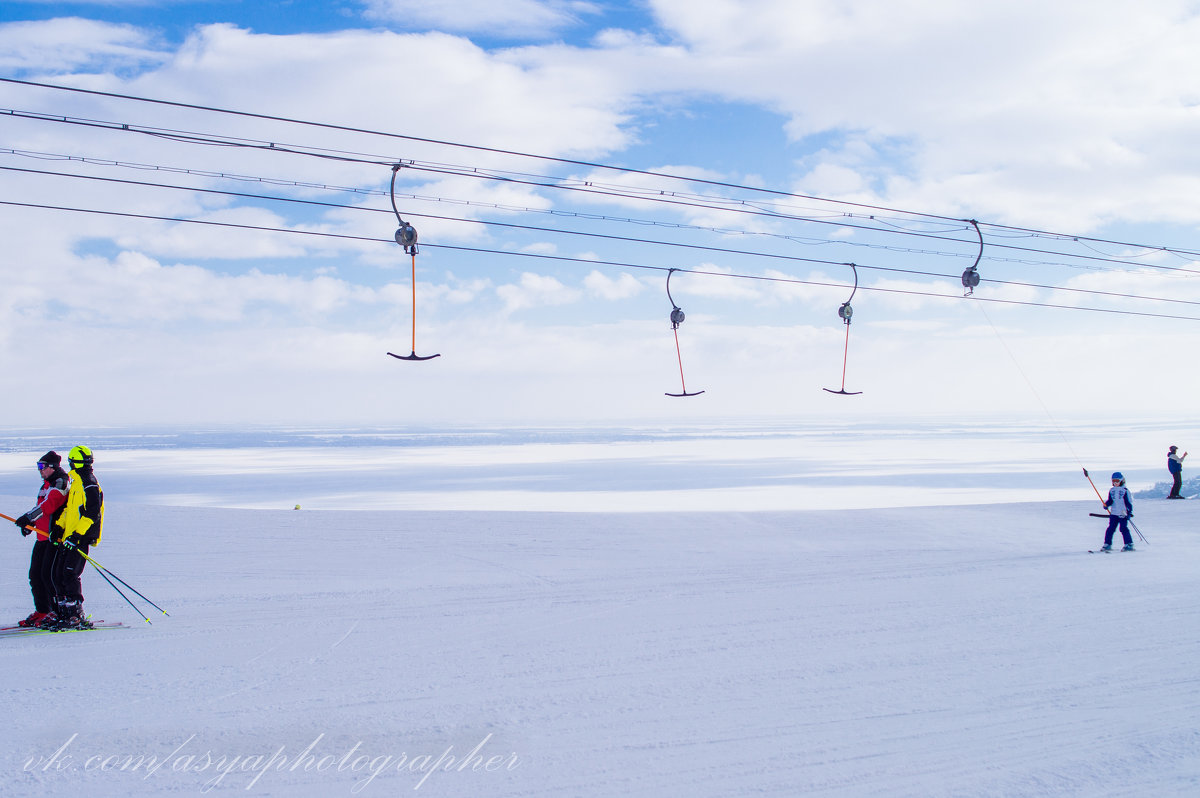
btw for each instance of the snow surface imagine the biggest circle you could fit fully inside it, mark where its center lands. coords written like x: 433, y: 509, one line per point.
x: 920, y: 651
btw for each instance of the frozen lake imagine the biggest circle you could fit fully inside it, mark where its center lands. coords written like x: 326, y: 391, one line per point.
x: 732, y: 466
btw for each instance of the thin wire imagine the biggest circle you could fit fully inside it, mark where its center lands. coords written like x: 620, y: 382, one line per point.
x: 587, y: 187
x: 729, y: 275
x: 463, y: 220
x: 553, y: 159
x: 1053, y: 421
x: 444, y: 143
x: 587, y: 216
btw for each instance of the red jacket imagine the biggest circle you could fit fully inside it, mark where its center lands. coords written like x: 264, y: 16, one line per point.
x: 51, y: 499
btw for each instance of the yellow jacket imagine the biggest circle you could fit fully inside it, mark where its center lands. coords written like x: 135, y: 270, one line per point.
x: 83, y: 515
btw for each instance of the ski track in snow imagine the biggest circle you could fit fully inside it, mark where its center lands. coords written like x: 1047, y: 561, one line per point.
x: 945, y: 651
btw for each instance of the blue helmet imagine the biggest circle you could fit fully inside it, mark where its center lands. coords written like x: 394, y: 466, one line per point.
x: 1117, y: 475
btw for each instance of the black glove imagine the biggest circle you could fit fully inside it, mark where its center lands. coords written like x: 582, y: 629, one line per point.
x: 23, y: 521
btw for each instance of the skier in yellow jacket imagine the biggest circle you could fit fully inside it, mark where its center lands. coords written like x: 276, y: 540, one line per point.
x: 80, y: 523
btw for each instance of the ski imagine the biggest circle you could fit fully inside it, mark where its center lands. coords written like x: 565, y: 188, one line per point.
x: 18, y: 631
x: 88, y: 618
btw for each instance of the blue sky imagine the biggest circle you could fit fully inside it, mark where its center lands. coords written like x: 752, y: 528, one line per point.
x: 811, y: 135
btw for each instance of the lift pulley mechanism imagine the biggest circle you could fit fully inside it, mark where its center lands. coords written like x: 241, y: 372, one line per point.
x: 970, y: 277
x: 406, y: 237
x: 677, y: 318
x: 845, y: 312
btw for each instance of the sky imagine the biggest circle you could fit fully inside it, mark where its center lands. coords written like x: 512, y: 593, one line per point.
x: 205, y: 233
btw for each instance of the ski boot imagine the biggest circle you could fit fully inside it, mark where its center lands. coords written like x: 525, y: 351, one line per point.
x: 1129, y: 547
x: 1106, y: 547
x: 70, y: 616
x: 35, y: 619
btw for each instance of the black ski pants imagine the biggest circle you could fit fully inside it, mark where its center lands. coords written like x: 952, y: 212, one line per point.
x: 41, y: 575
x: 67, y: 572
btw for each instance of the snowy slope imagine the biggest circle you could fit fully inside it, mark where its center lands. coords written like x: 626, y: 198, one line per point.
x: 954, y: 651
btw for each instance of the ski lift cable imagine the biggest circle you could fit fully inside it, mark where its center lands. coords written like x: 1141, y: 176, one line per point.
x: 439, y: 142
x: 750, y: 253
x: 839, y: 223
x: 591, y: 188
x: 428, y: 198
x: 1029, y: 383
x: 588, y: 187
x: 515, y: 153
x: 797, y: 281
x: 293, y: 200
x: 587, y: 261
x: 555, y: 212
x: 553, y: 230
x: 200, y: 138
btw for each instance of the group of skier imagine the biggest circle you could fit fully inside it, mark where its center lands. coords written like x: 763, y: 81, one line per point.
x: 67, y: 520
x: 69, y: 514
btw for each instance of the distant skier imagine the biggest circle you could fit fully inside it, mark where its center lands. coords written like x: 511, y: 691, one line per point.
x: 43, y: 518
x: 80, y: 524
x: 1120, y: 510
x: 1175, y: 466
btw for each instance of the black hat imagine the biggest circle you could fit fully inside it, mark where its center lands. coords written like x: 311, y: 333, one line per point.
x: 1173, y: 448
x: 50, y: 458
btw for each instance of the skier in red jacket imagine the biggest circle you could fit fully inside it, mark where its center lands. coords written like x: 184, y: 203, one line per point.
x: 42, y: 517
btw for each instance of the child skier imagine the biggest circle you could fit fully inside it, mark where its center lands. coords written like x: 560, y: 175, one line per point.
x: 1120, y: 510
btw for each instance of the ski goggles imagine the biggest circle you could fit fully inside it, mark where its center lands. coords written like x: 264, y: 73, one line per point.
x: 41, y: 465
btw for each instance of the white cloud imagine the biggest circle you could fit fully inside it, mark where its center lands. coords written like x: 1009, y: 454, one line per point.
x: 535, y: 290
x: 506, y: 19
x: 72, y: 43
x: 623, y: 287
x: 387, y: 81
x: 1062, y: 115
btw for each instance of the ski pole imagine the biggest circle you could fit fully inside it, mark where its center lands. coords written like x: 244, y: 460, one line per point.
x: 106, y: 573
x: 122, y: 595
x: 100, y: 568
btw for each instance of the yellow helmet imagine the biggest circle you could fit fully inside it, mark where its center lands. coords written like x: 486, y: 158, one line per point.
x: 80, y: 456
